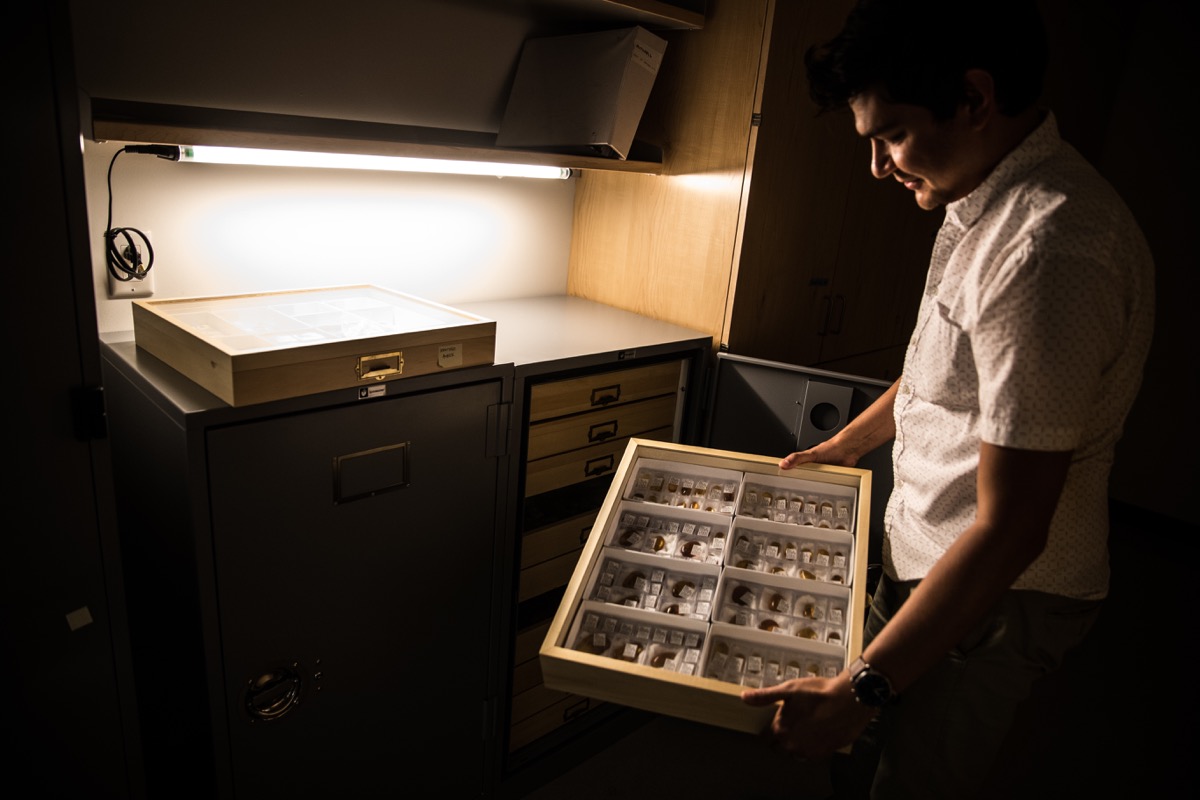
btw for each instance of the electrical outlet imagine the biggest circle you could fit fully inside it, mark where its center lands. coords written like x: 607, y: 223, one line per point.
x: 136, y: 287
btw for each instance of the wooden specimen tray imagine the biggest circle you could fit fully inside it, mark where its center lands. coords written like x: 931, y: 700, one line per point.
x: 253, y: 348
x: 613, y: 651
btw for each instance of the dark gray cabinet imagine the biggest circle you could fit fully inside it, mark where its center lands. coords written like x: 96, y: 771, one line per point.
x: 325, y: 587
x: 314, y: 582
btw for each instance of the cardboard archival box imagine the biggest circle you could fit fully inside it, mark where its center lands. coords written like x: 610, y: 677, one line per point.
x: 252, y: 348
x: 583, y: 93
x: 626, y: 633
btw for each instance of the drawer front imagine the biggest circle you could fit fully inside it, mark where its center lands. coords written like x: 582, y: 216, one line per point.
x: 547, y: 720
x: 556, y: 540
x: 526, y: 676
x: 581, y: 465
x: 529, y: 641
x: 595, y: 427
x: 571, y: 396
x: 547, y: 575
x: 533, y: 700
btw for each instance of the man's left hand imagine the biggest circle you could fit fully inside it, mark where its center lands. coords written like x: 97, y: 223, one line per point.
x: 816, y: 716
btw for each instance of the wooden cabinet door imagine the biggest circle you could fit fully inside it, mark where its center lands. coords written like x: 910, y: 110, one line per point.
x: 832, y: 260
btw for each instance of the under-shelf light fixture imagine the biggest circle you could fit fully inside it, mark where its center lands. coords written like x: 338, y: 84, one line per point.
x: 298, y: 158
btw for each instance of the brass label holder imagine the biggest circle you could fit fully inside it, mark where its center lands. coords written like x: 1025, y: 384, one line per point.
x: 379, y: 366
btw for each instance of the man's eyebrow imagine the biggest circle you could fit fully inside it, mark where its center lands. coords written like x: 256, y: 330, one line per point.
x: 878, y: 130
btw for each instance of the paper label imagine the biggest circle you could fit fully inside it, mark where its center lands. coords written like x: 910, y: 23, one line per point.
x: 450, y: 355
x: 646, y: 57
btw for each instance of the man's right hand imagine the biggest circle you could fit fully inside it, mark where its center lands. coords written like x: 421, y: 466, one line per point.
x: 824, y: 453
x: 868, y: 430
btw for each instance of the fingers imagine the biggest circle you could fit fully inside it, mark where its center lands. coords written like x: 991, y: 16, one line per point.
x: 792, y: 460
x: 761, y: 697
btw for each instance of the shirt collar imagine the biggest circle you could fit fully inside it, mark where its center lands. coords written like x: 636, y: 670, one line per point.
x: 1036, y: 148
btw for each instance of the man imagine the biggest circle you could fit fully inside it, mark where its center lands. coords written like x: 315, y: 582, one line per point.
x: 1023, y: 364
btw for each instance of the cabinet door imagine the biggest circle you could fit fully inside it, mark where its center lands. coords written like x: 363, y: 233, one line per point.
x: 354, y: 552
x: 832, y: 260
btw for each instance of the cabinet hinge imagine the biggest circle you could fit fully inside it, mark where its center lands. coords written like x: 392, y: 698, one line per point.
x: 755, y: 120
x: 91, y: 417
x: 498, y: 430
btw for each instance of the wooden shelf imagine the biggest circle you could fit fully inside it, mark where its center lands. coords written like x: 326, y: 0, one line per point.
x: 156, y: 123
x: 679, y: 15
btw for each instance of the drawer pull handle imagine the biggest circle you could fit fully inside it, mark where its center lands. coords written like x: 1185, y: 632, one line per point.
x: 598, y: 466
x: 573, y: 711
x: 606, y: 394
x: 379, y: 366
x: 273, y: 694
x: 583, y: 534
x: 602, y: 430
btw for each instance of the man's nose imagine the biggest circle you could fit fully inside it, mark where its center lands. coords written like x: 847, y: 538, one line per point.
x: 881, y: 160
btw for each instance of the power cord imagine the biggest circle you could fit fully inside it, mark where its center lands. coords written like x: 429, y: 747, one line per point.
x: 124, y: 259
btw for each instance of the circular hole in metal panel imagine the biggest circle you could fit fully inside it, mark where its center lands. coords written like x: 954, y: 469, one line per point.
x: 825, y: 416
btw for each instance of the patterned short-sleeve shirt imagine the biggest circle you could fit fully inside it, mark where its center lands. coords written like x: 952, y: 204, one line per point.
x: 1032, y: 332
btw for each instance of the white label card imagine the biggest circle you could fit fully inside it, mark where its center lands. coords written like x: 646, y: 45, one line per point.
x: 450, y: 355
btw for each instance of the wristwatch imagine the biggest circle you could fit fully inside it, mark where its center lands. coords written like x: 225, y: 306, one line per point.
x: 871, y: 687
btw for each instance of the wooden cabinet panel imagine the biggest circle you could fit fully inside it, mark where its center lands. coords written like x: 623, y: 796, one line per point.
x: 662, y: 246
x: 766, y: 227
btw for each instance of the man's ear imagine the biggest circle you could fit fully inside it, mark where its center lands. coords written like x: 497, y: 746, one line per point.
x: 980, y: 92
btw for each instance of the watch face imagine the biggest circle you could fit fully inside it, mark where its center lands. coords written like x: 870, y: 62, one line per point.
x: 872, y: 689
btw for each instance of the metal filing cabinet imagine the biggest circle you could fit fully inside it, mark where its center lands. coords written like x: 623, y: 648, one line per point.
x: 312, y: 581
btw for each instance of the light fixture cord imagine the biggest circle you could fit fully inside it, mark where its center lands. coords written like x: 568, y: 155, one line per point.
x: 125, y: 263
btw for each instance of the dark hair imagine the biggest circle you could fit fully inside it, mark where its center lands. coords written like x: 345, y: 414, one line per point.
x: 917, y: 51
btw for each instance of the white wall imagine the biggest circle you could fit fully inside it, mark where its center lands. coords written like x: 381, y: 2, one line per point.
x: 219, y: 230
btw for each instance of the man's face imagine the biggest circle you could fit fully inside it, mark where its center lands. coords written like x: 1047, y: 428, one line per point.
x: 930, y: 157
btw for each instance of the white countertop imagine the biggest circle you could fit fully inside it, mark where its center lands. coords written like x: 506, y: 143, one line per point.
x: 546, y: 329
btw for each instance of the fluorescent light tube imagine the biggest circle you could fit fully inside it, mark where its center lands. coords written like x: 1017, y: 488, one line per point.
x: 296, y: 158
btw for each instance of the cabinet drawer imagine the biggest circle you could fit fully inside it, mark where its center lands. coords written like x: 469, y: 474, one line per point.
x: 555, y: 540
x: 548, y: 575
x: 577, y: 466
x: 533, y: 700
x: 529, y: 641
x: 595, y: 427
x: 532, y: 728
x: 559, y: 398
x: 526, y: 676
